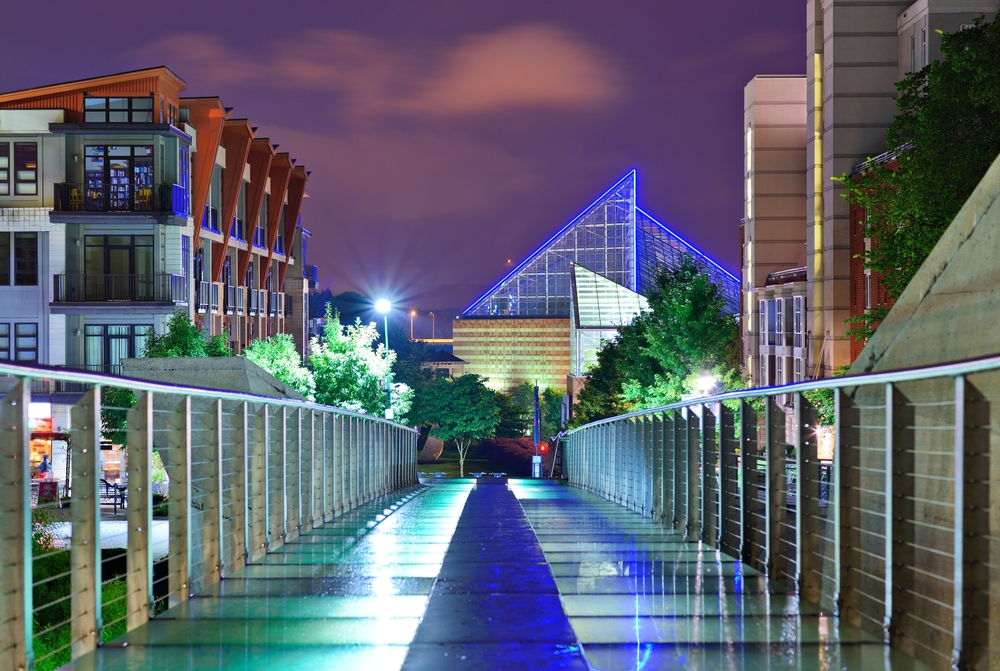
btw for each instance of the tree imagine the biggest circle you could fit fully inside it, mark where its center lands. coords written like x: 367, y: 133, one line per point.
x: 513, y: 420
x: 349, y: 373
x: 462, y: 410
x: 947, y: 134
x: 185, y: 339
x: 278, y: 356
x: 550, y: 411
x: 686, y: 333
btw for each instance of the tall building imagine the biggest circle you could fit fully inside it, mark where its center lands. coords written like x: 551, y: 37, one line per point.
x: 122, y: 202
x: 520, y: 329
x: 856, y: 52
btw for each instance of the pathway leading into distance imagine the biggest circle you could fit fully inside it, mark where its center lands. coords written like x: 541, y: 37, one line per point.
x: 530, y: 575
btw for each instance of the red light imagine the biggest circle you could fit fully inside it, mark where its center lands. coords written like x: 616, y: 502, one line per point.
x: 542, y: 447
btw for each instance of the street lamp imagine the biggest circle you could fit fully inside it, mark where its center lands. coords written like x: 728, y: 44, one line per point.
x: 413, y: 313
x: 383, y: 306
x: 432, y: 327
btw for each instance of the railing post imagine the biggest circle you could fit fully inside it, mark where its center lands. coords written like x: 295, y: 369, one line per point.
x: 266, y: 468
x: 85, y: 513
x: 840, y: 502
x: 730, y: 507
x: 693, y: 472
x: 297, y: 510
x: 709, y: 481
x: 891, y: 572
x: 775, y: 492
x: 314, y: 519
x: 669, y: 450
x: 656, y: 454
x: 351, y: 455
x: 339, y: 479
x: 241, y: 489
x: 212, y: 520
x: 283, y: 456
x: 960, y: 604
x: 139, y: 562
x: 748, y: 430
x: 16, y: 603
x: 808, y: 481
x: 178, y: 467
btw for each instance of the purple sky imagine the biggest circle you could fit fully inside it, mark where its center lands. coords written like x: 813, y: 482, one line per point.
x: 447, y: 137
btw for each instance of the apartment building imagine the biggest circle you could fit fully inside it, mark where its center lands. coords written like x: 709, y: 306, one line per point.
x: 122, y: 202
x: 856, y: 52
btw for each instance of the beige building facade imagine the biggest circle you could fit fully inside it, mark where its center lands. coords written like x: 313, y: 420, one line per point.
x: 856, y: 52
x: 512, y: 350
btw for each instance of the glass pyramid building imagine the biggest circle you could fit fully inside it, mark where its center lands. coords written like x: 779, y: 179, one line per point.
x: 613, y: 238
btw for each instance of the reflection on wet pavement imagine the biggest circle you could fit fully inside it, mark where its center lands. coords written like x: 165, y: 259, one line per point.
x: 447, y: 576
x: 348, y: 595
x: 640, y: 597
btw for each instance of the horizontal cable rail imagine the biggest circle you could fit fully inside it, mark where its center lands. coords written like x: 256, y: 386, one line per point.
x: 876, y: 503
x: 241, y: 475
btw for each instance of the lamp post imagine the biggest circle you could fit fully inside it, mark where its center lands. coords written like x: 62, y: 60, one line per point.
x: 413, y: 313
x: 432, y: 327
x: 383, y: 306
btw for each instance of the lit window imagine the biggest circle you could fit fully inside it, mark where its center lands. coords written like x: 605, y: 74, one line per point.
x: 25, y: 169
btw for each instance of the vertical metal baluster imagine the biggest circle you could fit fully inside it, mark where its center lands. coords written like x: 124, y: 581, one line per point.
x: 85, y: 512
x: 212, y: 525
x: 178, y: 467
x: 838, y: 499
x: 774, y: 489
x: 241, y: 496
x: 959, y: 608
x: 284, y: 474
x: 748, y: 495
x: 16, y: 579
x: 809, y: 480
x: 266, y: 467
x: 709, y: 491
x: 890, y: 571
x: 139, y: 561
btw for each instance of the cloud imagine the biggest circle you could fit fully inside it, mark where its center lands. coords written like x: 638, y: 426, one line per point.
x: 526, y: 66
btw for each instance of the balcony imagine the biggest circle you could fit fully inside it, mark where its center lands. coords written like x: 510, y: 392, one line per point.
x: 240, y: 299
x: 87, y: 291
x: 216, y: 290
x: 158, y: 203
x: 275, y: 303
x: 252, y: 302
x: 229, y: 307
x: 201, y: 297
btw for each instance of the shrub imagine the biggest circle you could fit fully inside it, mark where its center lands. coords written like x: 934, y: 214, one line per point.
x: 512, y: 454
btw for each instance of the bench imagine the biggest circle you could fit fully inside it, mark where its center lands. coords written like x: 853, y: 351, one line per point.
x: 113, y: 495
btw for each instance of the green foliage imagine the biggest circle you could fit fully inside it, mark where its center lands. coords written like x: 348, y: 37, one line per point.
x: 514, y: 420
x: 350, y: 373
x: 685, y: 334
x: 115, y: 404
x: 462, y: 410
x: 184, y: 339
x: 550, y: 411
x: 159, y: 472
x: 278, y: 356
x: 823, y: 401
x: 947, y: 133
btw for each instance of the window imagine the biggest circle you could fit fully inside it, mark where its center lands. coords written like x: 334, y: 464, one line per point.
x: 118, y: 178
x: 25, y: 168
x: 923, y: 47
x: 118, y: 110
x: 913, y: 53
x: 779, y: 321
x: 798, y: 370
x: 4, y: 169
x: 5, y: 342
x: 799, y: 325
x: 26, y: 343
x: 868, y: 292
x: 26, y: 259
x: 762, y: 323
x: 186, y: 256
x: 779, y: 370
x: 184, y: 176
x: 106, y: 345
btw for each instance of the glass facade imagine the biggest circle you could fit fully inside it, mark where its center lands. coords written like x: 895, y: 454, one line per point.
x: 599, y: 307
x: 612, y: 238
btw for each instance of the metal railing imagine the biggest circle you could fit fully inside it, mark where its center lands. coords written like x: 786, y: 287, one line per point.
x: 155, y: 288
x: 70, y: 197
x: 202, y: 296
x: 215, y: 288
x: 229, y: 304
x: 878, y: 506
x: 252, y: 302
x: 244, y: 475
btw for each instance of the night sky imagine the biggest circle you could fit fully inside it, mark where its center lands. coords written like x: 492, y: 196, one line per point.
x: 447, y: 137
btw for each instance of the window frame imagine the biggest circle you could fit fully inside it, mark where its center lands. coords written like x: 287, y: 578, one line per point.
x: 17, y: 345
x: 130, y: 110
x: 18, y: 181
x: 16, y: 271
x: 5, y: 168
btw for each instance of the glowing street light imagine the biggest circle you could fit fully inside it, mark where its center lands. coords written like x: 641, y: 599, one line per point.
x: 413, y: 313
x: 706, y: 384
x: 383, y: 306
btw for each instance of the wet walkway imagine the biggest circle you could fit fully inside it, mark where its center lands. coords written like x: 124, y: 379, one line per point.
x: 530, y: 576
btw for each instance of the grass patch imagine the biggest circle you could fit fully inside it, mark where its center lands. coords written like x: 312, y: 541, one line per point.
x: 448, y: 463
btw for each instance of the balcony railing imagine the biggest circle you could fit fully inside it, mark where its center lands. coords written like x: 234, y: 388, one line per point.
x: 157, y: 288
x: 343, y: 460
x: 240, y: 299
x: 275, y: 304
x: 252, y: 302
x: 229, y: 306
x: 168, y: 198
x: 202, y: 295
x: 216, y: 286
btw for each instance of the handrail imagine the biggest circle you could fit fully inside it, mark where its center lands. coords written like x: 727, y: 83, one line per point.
x: 138, y: 384
x: 951, y: 369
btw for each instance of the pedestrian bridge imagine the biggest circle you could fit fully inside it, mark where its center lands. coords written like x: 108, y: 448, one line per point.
x: 791, y: 528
